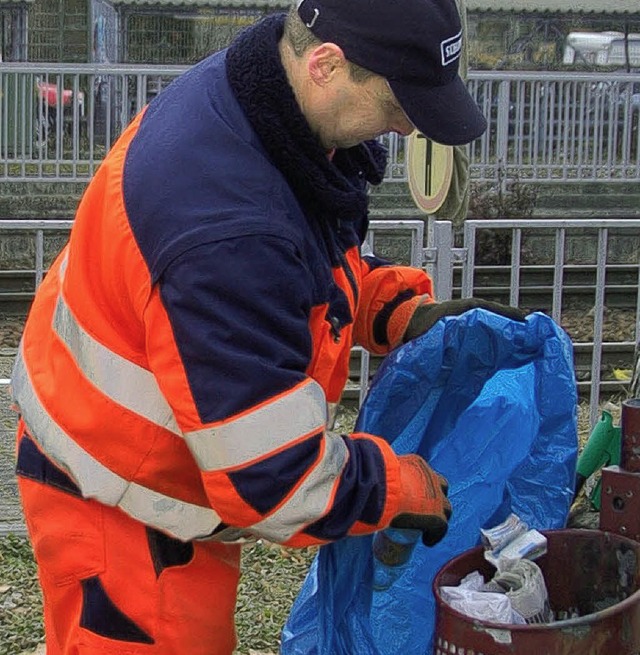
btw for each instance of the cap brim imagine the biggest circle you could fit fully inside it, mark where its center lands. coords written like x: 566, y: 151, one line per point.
x: 447, y: 114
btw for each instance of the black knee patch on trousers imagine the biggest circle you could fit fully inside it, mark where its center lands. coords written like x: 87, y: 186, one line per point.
x: 101, y: 616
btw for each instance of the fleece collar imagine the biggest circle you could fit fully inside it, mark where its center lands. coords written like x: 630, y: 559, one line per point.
x: 332, y: 190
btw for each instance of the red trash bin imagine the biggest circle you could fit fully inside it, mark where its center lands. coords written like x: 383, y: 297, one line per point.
x: 591, y: 575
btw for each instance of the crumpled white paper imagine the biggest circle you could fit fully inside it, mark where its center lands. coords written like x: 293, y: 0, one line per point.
x: 469, y: 599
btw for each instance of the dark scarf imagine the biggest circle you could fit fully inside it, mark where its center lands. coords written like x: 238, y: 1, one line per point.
x: 328, y: 191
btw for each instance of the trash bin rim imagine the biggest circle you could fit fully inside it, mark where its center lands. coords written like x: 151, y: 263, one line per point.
x: 538, y: 627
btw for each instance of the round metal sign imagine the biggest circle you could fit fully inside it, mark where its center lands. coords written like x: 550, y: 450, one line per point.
x: 430, y: 167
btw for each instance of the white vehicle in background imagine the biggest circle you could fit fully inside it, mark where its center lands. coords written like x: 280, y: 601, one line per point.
x: 602, y: 49
x: 609, y: 49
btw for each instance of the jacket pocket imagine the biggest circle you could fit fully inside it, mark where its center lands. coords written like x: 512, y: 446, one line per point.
x: 66, y: 532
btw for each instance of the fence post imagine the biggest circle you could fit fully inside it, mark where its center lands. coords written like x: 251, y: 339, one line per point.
x: 441, y: 240
x: 502, y: 131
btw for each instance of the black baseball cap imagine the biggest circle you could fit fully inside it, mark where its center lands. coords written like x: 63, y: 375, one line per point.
x: 416, y: 45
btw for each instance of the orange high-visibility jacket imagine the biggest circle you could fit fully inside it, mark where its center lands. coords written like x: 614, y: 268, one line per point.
x: 180, y: 356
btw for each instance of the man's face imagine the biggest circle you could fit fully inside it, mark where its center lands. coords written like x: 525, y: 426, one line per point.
x: 358, y: 111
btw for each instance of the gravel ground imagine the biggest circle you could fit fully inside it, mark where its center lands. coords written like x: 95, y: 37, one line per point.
x: 10, y: 514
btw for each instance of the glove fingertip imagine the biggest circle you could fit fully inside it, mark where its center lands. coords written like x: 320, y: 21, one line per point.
x: 435, y: 531
x: 432, y: 537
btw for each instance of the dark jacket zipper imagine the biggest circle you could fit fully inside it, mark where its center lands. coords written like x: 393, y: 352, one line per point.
x: 334, y: 321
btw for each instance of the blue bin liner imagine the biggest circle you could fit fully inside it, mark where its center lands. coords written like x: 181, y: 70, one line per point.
x: 491, y: 404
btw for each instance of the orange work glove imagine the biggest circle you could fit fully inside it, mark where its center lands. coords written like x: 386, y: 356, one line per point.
x: 423, y: 501
x: 425, y: 316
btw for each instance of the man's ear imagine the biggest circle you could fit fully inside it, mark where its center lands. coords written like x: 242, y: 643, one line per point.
x: 324, y: 62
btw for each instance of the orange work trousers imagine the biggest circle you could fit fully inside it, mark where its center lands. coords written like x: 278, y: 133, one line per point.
x: 112, y: 586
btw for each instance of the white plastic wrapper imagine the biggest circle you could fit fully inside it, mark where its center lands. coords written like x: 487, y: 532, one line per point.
x: 527, y: 545
x: 483, y: 605
x: 470, y: 599
x: 525, y: 586
x: 497, y: 537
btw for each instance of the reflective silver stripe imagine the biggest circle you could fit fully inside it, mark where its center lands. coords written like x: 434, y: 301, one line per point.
x: 94, y: 479
x: 257, y: 433
x: 179, y: 518
x: 124, y: 382
x: 311, y: 500
x: 183, y: 520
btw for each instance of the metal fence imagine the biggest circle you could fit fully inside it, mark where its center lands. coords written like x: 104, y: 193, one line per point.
x: 549, y: 127
x: 57, y: 121
x: 586, y: 268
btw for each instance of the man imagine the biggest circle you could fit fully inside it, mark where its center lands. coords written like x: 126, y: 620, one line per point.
x: 179, y: 358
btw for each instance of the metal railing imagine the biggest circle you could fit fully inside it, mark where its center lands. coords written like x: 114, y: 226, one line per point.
x: 552, y: 242
x: 57, y: 121
x: 456, y: 272
x: 550, y: 127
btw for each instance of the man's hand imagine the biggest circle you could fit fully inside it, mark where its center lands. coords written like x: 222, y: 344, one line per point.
x: 427, y: 315
x: 423, y: 502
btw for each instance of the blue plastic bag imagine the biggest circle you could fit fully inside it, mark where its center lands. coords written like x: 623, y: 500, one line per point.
x: 491, y: 404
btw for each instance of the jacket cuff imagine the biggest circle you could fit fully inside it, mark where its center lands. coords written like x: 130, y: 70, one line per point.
x: 393, y: 486
x: 399, y: 319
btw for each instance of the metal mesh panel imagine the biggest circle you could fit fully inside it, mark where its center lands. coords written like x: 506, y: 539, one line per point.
x: 58, y: 31
x: 12, y: 33
x: 169, y: 38
x: 532, y: 41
